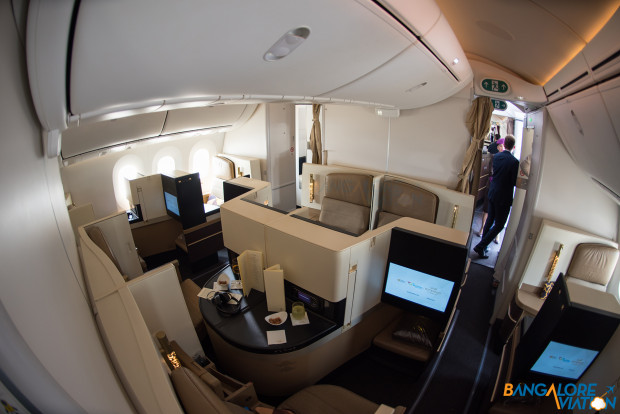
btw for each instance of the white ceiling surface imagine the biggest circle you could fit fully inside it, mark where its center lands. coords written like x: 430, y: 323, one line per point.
x: 532, y: 38
x: 145, y: 51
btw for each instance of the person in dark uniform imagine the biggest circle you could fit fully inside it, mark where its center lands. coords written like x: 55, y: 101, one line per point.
x: 505, y: 170
x: 493, y: 148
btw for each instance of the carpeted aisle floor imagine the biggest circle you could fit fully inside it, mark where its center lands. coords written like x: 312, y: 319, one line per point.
x: 454, y: 381
x: 468, y: 362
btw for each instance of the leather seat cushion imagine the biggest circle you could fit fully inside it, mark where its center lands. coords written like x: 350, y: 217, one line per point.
x: 408, y: 200
x: 197, y: 398
x: 593, y: 262
x: 328, y: 399
x: 385, y: 218
x: 346, y: 216
x: 352, y: 188
x: 223, y: 168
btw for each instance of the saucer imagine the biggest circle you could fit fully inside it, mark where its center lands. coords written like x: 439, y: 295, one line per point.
x: 281, y: 315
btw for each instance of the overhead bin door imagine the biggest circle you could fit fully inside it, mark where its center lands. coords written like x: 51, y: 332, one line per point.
x: 146, y: 51
x: 585, y: 122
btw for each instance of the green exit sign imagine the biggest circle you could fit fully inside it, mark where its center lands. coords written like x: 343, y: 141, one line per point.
x: 494, y: 85
x: 501, y: 105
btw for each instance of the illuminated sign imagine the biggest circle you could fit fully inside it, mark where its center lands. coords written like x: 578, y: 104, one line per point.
x: 494, y: 85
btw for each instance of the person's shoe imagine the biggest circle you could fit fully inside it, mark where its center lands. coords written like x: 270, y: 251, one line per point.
x: 481, y: 252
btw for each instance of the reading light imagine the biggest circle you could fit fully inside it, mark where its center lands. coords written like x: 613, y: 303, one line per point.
x: 455, y: 61
x: 286, y: 44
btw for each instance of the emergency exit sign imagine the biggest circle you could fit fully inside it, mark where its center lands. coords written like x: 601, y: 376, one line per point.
x: 494, y: 85
x: 501, y: 105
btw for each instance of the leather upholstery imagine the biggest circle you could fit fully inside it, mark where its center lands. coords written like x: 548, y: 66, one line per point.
x: 593, y: 262
x: 197, y: 398
x: 345, y: 216
x: 223, y: 168
x: 347, y: 200
x: 407, y: 200
x: 328, y: 399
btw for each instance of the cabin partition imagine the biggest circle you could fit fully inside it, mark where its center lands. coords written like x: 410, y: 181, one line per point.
x: 339, y: 275
x: 129, y: 314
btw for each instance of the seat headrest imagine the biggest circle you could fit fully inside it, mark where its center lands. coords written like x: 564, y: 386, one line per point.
x: 593, y: 262
x: 224, y: 168
x: 408, y: 200
x: 351, y: 188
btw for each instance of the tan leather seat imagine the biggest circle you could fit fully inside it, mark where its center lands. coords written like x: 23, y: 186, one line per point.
x: 406, y: 200
x: 224, y: 169
x: 206, y: 390
x: 593, y: 263
x: 197, y: 398
x: 347, y: 201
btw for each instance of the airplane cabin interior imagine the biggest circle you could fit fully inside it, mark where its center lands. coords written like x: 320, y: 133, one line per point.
x: 272, y: 207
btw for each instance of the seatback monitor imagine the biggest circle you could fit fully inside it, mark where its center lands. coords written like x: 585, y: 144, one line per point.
x: 423, y: 274
x: 172, y: 205
x: 565, y: 337
x: 418, y: 287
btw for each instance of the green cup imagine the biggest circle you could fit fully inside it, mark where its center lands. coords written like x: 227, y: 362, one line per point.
x: 298, y: 311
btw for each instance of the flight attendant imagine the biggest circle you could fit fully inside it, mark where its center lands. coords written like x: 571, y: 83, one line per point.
x: 505, y: 170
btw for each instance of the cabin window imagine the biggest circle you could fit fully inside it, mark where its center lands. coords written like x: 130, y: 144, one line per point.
x: 200, y: 162
x: 166, y: 160
x: 166, y: 165
x: 127, y: 168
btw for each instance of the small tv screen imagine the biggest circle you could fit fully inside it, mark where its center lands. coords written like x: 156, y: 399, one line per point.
x: 418, y: 287
x: 423, y: 274
x: 565, y: 361
x: 172, y: 204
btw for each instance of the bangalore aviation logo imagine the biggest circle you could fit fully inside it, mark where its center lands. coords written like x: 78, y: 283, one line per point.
x: 567, y: 396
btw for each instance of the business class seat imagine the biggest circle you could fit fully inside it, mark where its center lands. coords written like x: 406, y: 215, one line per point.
x: 224, y: 169
x: 406, y: 200
x: 592, y: 265
x: 206, y: 390
x: 347, y: 201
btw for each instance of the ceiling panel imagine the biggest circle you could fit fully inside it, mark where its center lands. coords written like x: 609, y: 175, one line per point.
x: 139, y: 51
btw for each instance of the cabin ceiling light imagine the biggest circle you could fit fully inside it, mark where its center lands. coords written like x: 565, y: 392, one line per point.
x: 286, y: 44
x: 455, y: 61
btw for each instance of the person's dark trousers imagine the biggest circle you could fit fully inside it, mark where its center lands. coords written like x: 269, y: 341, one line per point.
x: 498, y: 214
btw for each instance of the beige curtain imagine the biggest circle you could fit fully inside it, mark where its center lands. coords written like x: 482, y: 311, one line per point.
x: 478, y: 123
x: 315, y: 136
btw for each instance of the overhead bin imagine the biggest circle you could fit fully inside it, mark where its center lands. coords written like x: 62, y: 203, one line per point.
x: 599, y: 60
x: 146, y: 55
x: 92, y: 136
x: 412, y: 79
x: 589, y: 128
x: 192, y: 119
